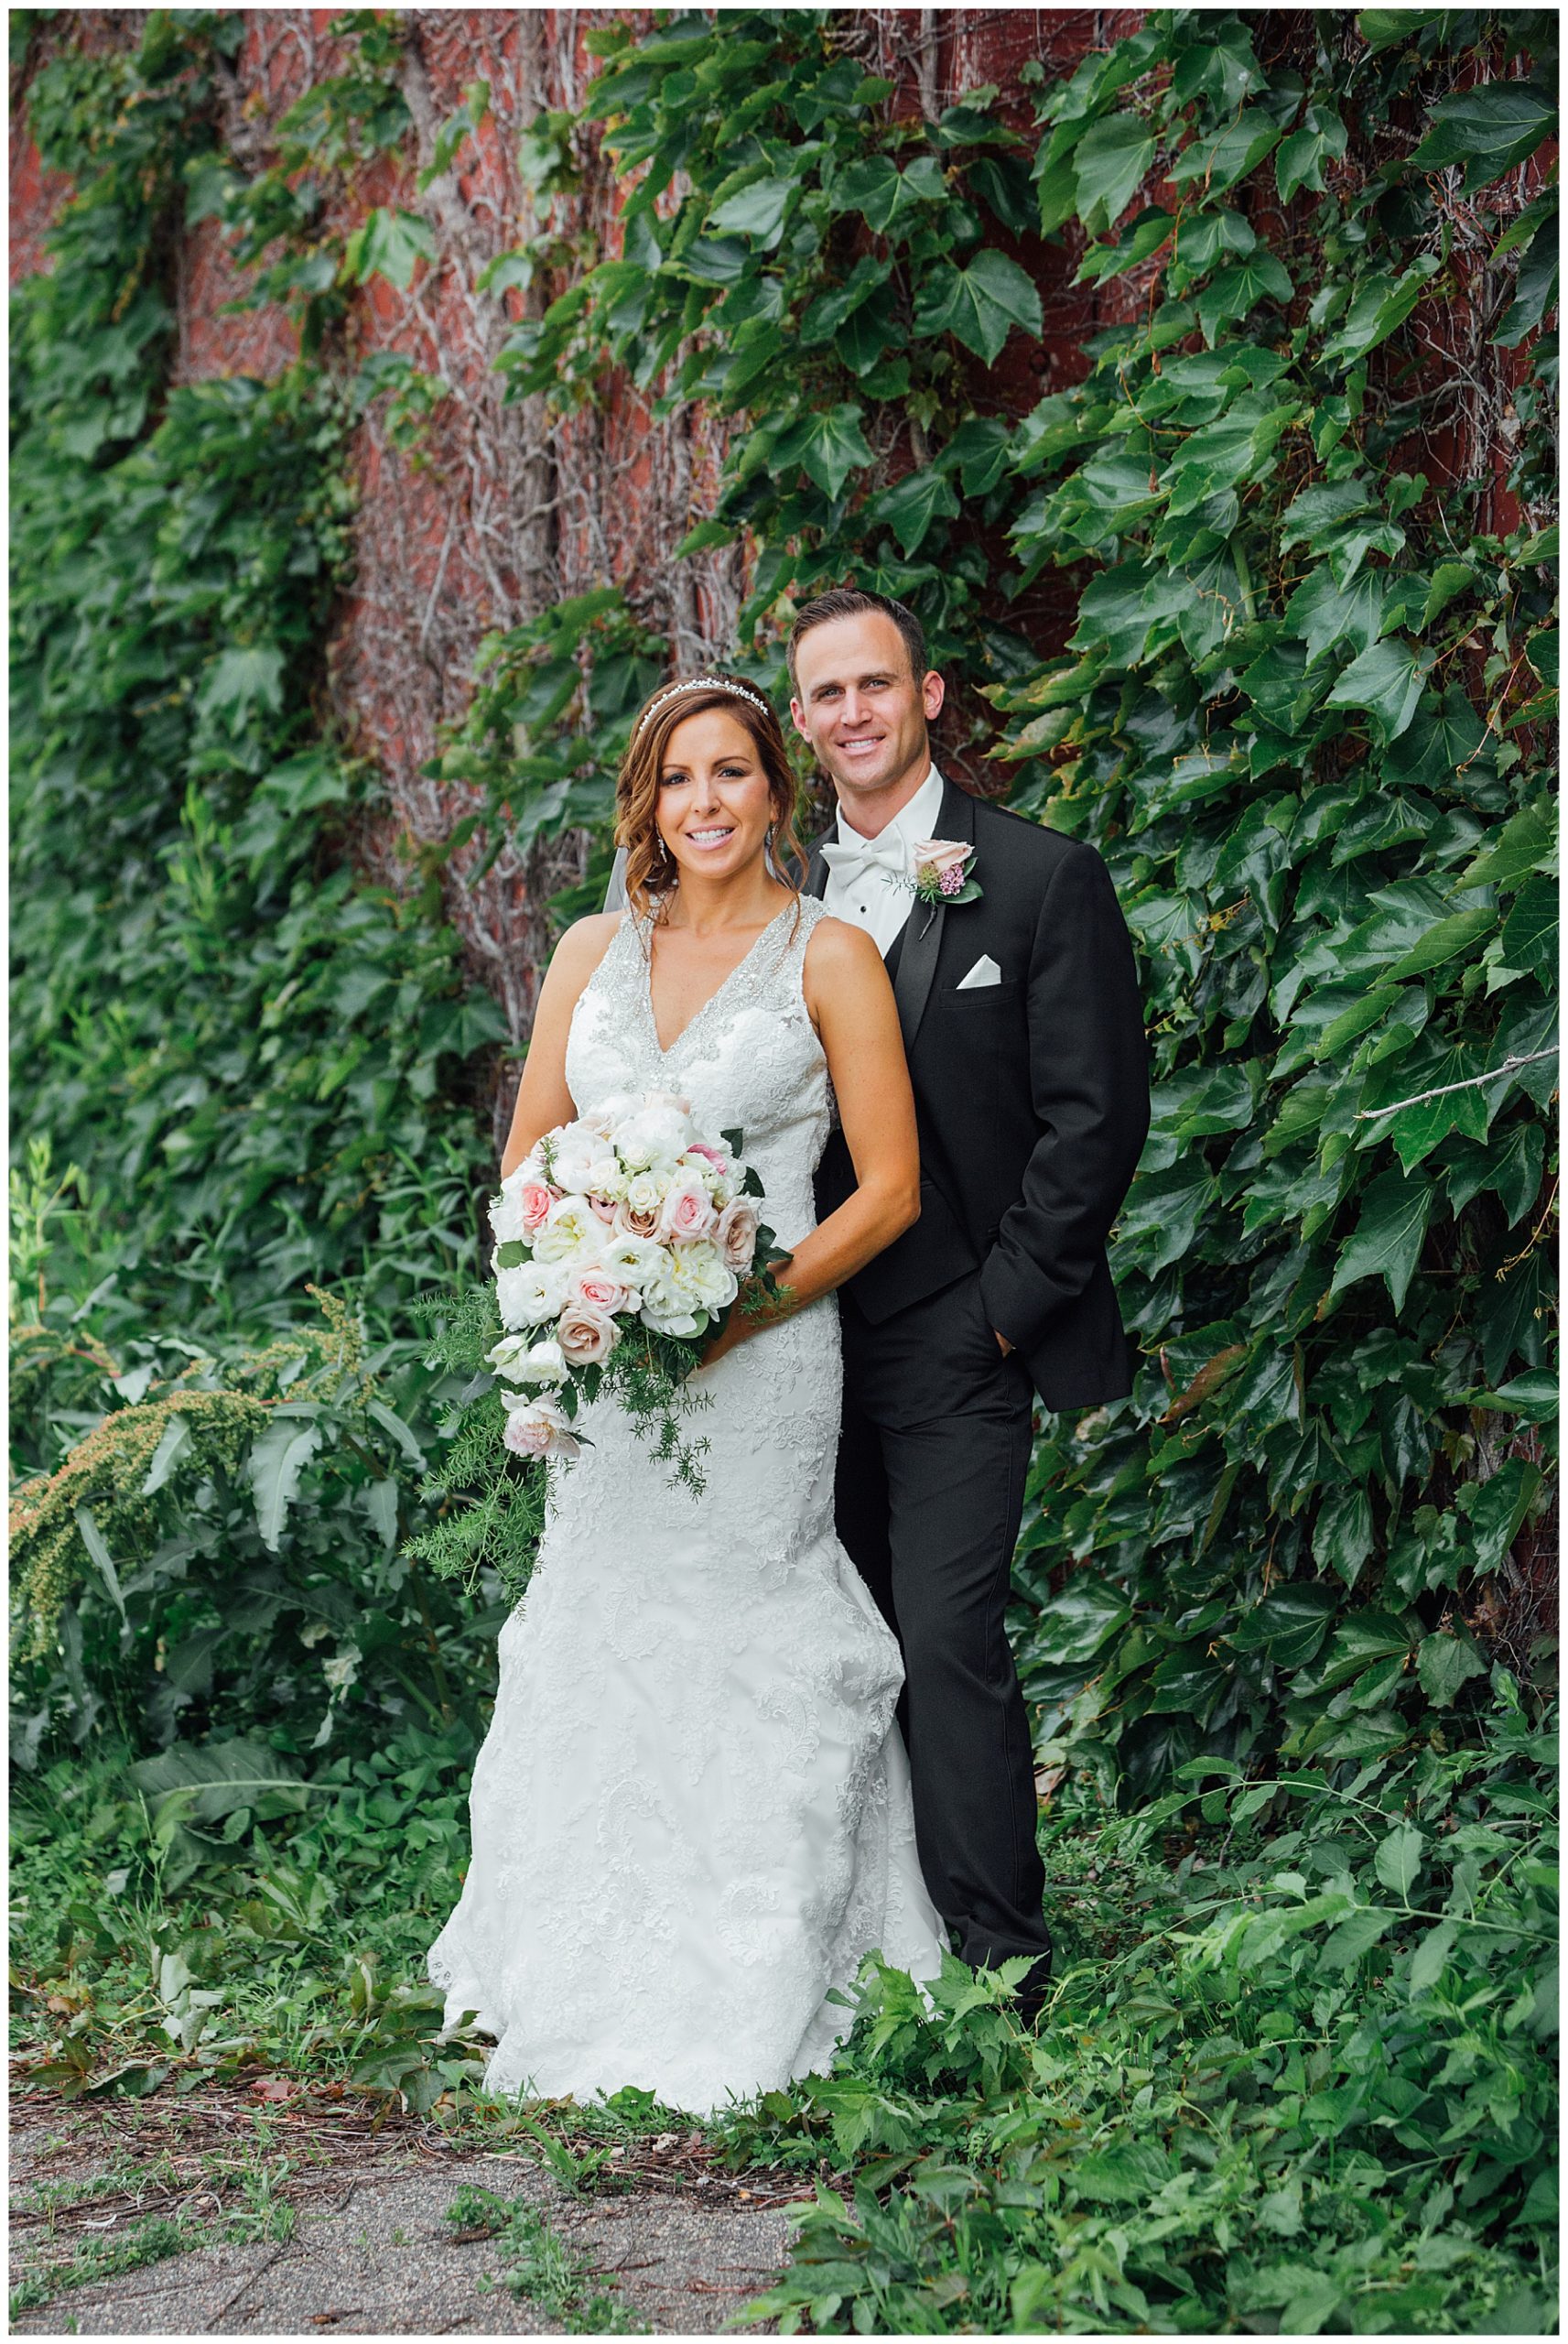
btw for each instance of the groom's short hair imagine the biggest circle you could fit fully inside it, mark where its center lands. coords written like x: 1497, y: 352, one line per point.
x: 852, y: 603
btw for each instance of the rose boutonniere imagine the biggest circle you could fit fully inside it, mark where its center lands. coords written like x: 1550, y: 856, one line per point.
x: 942, y: 874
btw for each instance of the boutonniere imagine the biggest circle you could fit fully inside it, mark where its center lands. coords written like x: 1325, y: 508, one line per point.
x: 942, y: 874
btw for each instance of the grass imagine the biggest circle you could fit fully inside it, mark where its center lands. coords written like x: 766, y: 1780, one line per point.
x: 1294, y: 2073
x: 253, y: 2186
x: 540, y: 2264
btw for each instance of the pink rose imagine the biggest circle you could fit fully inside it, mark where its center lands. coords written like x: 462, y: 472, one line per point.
x: 603, y: 1206
x: 941, y: 855
x: 585, y: 1335
x: 736, y: 1235
x: 539, y: 1429
x: 637, y: 1220
x: 715, y: 1155
x: 598, y: 1290
x: 688, y: 1211
x: 535, y: 1197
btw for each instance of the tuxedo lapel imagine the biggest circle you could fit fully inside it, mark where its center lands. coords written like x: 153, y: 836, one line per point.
x: 921, y: 935
x: 815, y: 868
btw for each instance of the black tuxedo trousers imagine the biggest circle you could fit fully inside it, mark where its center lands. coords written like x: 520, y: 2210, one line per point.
x: 933, y: 1456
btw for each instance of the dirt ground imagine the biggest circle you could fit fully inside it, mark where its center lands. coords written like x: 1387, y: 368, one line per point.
x: 677, y: 2247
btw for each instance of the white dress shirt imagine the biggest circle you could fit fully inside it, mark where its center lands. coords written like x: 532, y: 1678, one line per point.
x: 875, y: 897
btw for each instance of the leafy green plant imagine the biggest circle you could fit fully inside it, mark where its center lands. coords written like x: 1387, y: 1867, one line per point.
x: 1300, y: 2074
x: 237, y: 1046
x: 1300, y: 714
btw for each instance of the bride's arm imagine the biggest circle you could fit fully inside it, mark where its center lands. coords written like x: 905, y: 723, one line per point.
x: 851, y: 1004
x: 542, y: 1099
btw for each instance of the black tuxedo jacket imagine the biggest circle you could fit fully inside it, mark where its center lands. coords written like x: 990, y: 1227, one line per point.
x: 1031, y: 1096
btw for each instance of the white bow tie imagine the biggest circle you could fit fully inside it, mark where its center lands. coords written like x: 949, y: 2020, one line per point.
x: 857, y: 858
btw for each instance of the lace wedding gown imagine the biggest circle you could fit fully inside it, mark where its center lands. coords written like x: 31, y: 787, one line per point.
x: 691, y: 1814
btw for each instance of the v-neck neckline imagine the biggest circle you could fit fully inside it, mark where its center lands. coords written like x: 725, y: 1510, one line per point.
x: 703, y: 1008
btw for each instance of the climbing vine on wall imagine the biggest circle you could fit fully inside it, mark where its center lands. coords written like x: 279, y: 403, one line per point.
x: 1305, y: 672
x: 1303, y: 706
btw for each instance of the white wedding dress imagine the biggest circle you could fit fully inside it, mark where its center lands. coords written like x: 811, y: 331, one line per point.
x: 691, y: 1814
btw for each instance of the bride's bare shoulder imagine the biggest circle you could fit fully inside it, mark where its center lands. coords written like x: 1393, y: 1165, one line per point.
x: 587, y: 941
x: 577, y: 955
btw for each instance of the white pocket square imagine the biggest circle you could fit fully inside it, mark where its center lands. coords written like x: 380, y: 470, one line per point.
x: 984, y: 972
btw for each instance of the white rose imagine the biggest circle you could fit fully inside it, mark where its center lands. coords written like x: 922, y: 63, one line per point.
x: 531, y: 1364
x: 667, y: 1313
x: 671, y: 1303
x: 605, y: 1177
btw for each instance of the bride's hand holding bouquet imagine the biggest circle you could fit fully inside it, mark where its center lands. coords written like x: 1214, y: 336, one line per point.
x: 624, y: 1244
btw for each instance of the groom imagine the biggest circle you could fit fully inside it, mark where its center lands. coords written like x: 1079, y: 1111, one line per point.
x: 1022, y: 1022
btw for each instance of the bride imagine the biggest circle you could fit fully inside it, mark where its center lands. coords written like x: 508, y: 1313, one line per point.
x: 691, y: 1814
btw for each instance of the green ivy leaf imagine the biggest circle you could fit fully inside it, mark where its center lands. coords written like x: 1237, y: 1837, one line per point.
x: 1444, y: 1663
x: 1488, y: 129
x: 1528, y: 940
x: 979, y: 305
x: 241, y: 686
x: 886, y: 198
x: 1075, y: 1624
x: 1380, y: 306
x: 1528, y: 841
x: 912, y: 505
x: 1110, y: 161
x: 1321, y: 137
x: 1341, y: 1535
x: 1229, y: 154
x: 827, y: 447
x: 1235, y: 292
x: 1386, y: 680
x: 759, y: 212
x: 1456, y: 933
x: 1386, y: 1240
x: 1137, y: 243
x: 1535, y: 294
x: 389, y: 244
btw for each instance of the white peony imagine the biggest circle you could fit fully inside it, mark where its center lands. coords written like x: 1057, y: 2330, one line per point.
x: 506, y: 1212
x: 537, y: 1428
x: 531, y: 1294
x: 656, y: 1136
x: 703, y: 1268
x: 634, y: 1260
x: 573, y: 1233
x: 574, y: 1151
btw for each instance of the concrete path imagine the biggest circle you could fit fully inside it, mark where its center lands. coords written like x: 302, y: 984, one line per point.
x: 371, y: 2251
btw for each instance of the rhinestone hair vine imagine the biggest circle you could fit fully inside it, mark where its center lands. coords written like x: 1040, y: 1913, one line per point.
x: 702, y: 684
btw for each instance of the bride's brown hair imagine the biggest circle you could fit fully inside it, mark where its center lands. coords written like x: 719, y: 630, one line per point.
x: 650, y: 869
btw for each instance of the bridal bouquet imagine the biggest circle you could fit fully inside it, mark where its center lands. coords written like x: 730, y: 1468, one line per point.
x: 622, y: 1241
